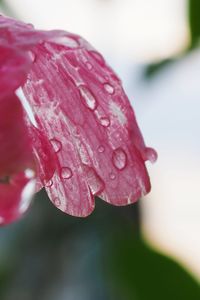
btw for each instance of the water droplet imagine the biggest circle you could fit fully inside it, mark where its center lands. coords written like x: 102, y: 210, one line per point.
x: 48, y: 183
x: 112, y: 176
x: 101, y: 149
x: 88, y: 65
x: 57, y: 146
x: 32, y: 56
x: 76, y: 131
x: 109, y: 88
x: 150, y: 154
x: 104, y: 121
x: 29, y: 173
x: 89, y: 99
x: 57, y: 202
x: 66, y: 41
x: 98, y: 57
x: 94, y: 181
x: 66, y: 173
x: 119, y: 159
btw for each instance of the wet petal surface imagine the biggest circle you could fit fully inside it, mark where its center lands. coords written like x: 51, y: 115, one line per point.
x: 88, y: 116
x: 84, y: 136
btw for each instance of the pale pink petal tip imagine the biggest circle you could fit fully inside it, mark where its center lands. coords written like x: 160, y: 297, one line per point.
x: 86, y: 139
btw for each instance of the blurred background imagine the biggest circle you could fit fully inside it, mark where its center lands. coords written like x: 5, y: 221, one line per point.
x: 150, y: 250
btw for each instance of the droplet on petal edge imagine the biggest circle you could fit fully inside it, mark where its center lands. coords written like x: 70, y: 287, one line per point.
x: 66, y: 41
x: 98, y: 57
x: 57, y: 201
x: 150, y: 154
x: 119, y: 158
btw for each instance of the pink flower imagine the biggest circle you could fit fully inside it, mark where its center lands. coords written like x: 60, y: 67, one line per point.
x: 82, y: 139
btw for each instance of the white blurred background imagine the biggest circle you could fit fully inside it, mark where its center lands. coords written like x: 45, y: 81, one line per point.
x: 130, y: 34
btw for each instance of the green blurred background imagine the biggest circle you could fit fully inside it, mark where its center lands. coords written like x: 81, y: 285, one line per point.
x: 143, y: 251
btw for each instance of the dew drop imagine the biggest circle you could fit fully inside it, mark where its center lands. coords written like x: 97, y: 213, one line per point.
x: 119, y: 159
x: 112, y: 176
x: 57, y: 201
x: 29, y: 173
x: 57, y: 146
x: 88, y: 65
x: 101, y: 149
x: 94, y: 182
x: 66, y: 41
x: 98, y: 57
x: 109, y: 88
x: 89, y: 99
x: 48, y: 183
x: 104, y: 121
x: 76, y: 131
x: 66, y: 173
x: 32, y: 56
x: 150, y: 154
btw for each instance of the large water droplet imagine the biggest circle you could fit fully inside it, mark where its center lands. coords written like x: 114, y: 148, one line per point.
x: 101, y: 149
x: 66, y: 41
x: 109, y: 88
x: 119, y: 159
x: 104, y: 121
x: 150, y: 154
x: 87, y: 96
x: 57, y: 146
x: 66, y: 173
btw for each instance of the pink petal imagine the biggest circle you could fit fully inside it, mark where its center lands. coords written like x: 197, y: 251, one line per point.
x: 16, y: 158
x: 16, y: 192
x: 86, y: 130
x: 16, y: 161
x: 80, y: 105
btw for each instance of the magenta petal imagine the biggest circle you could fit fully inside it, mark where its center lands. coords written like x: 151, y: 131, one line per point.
x: 14, y: 66
x: 86, y: 141
x: 16, y: 193
x: 16, y: 161
x: 82, y: 108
